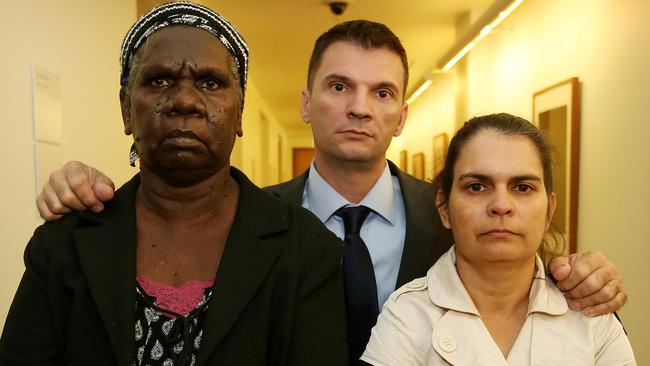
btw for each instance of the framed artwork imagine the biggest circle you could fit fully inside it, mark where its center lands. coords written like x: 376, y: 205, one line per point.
x: 440, y: 145
x: 556, y: 111
x: 418, y: 165
x: 403, y: 161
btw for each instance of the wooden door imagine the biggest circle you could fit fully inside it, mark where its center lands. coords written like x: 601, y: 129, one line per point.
x: 302, y: 157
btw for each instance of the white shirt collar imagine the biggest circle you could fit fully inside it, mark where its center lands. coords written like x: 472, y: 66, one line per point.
x: 446, y: 290
x: 323, y: 200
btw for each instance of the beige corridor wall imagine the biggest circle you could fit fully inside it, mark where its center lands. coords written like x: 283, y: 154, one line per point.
x: 79, y: 41
x: 605, y: 44
x: 249, y: 154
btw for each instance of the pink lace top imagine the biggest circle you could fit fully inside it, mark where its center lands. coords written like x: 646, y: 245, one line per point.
x: 181, y: 300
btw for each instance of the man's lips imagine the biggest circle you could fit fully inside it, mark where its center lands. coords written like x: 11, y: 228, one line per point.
x: 355, y: 132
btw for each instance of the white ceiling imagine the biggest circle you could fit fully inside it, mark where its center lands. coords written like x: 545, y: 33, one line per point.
x: 281, y: 34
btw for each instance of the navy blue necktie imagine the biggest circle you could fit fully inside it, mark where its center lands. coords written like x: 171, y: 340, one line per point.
x: 360, y: 285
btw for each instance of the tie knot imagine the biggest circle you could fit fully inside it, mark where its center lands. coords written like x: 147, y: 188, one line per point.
x: 353, y: 218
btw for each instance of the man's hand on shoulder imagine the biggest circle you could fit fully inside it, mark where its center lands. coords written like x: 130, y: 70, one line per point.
x: 590, y: 281
x: 74, y: 187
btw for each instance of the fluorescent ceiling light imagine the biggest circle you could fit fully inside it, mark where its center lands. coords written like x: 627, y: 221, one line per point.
x: 490, y: 20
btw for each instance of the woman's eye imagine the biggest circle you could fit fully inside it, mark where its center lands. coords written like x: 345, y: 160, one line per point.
x: 161, y: 82
x: 209, y: 84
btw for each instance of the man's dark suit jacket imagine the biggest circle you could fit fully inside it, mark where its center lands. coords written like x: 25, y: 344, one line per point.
x: 426, y: 239
x: 277, y: 299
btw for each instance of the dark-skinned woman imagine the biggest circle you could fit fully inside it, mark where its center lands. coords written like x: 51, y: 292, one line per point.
x: 190, y: 264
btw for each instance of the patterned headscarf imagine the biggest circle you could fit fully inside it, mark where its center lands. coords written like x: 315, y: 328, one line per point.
x: 188, y: 14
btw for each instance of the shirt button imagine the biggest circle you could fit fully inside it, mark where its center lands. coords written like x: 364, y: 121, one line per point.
x: 448, y: 344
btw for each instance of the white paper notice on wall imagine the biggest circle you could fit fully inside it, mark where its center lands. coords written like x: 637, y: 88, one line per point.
x: 48, y: 120
x: 48, y: 158
x: 48, y: 124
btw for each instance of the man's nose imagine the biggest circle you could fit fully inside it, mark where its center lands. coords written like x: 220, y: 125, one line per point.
x: 185, y: 99
x: 359, y: 106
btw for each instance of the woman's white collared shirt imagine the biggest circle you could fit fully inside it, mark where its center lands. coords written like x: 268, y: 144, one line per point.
x: 433, y: 321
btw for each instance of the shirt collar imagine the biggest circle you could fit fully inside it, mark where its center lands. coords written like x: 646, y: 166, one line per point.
x: 324, y: 200
x: 544, y: 296
x: 446, y: 290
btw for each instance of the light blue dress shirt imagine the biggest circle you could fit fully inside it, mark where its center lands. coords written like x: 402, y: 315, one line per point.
x: 383, y: 231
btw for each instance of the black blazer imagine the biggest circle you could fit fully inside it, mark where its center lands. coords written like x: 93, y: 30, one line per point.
x: 277, y: 300
x: 426, y: 239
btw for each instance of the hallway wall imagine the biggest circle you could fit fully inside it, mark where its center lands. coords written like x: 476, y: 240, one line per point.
x: 79, y: 41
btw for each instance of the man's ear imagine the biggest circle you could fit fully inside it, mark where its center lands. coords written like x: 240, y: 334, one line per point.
x: 552, y: 205
x: 402, y: 120
x: 443, y: 209
x: 125, y: 106
x: 305, y: 105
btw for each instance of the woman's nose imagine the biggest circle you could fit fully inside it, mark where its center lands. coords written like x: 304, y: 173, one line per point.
x: 500, y: 204
x: 185, y: 100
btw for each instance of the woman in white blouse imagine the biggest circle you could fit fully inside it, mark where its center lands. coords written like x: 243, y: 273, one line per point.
x: 488, y: 300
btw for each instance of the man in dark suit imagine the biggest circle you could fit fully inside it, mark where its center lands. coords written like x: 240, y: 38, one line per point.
x: 355, y: 104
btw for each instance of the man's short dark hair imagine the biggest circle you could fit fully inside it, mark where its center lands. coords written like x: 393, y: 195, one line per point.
x: 364, y: 33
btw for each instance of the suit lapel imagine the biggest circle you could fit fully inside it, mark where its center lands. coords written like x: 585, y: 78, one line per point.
x: 292, y: 190
x: 246, y: 261
x: 107, y: 256
x: 418, y: 205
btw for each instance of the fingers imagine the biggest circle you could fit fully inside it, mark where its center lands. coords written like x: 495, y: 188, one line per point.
x: 52, y: 202
x: 560, y: 267
x: 593, y: 285
x: 608, y: 307
x: 43, y: 210
x: 97, y: 177
x: 72, y: 188
x: 582, y: 266
x: 605, y: 294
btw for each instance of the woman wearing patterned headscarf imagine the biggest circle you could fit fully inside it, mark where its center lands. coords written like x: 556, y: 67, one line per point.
x: 190, y: 263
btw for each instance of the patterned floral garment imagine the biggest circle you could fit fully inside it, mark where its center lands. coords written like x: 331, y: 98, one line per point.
x: 164, y: 337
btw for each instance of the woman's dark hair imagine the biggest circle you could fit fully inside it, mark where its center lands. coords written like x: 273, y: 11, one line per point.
x: 553, y: 243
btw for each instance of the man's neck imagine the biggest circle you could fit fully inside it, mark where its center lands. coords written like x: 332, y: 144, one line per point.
x: 352, y: 180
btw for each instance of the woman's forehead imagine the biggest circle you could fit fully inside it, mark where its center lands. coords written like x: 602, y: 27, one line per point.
x: 493, y: 152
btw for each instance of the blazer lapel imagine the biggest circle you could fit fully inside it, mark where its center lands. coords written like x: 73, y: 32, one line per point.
x: 292, y: 190
x: 247, y: 259
x: 107, y: 256
x: 421, y: 248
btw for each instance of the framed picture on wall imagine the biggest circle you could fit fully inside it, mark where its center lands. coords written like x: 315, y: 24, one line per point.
x: 556, y: 111
x: 418, y: 165
x: 403, y: 161
x: 440, y: 144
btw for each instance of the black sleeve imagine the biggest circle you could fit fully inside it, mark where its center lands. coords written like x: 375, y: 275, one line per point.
x: 319, y: 334
x: 28, y: 337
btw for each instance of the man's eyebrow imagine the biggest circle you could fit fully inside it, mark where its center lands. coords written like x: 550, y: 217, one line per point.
x: 479, y: 176
x: 338, y: 77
